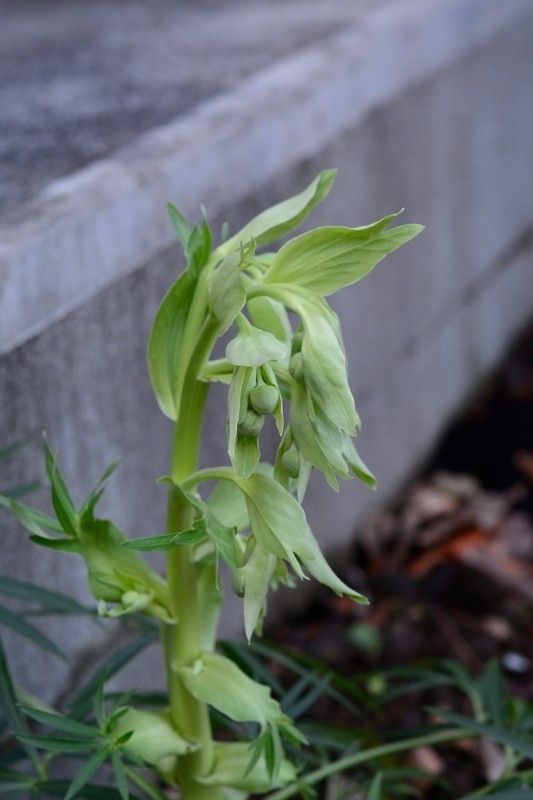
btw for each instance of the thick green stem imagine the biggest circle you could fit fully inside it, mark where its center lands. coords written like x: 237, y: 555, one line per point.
x: 182, y: 642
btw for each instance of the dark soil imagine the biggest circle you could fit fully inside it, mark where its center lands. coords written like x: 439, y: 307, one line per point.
x: 449, y: 572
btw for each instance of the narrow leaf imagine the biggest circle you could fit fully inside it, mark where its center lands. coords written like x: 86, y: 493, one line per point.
x: 116, y: 662
x: 226, y: 290
x: 120, y: 775
x: 55, y: 744
x: 29, y: 631
x: 61, y: 499
x: 216, y: 680
x: 165, y: 352
x: 62, y: 545
x: 166, y: 541
x: 374, y: 792
x: 34, y: 521
x: 9, y: 704
x: 327, y: 259
x: 49, y: 600
x: 180, y: 225
x: 89, y: 791
x: 60, y: 723
x: 275, y: 222
x: 91, y: 766
x: 253, y: 347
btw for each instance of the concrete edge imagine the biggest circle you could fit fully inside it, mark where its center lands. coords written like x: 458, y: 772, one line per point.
x: 104, y: 221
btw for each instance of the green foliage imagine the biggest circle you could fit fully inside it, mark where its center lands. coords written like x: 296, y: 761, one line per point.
x: 252, y: 521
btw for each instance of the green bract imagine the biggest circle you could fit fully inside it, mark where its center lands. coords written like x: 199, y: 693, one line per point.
x: 152, y: 736
x: 327, y: 259
x: 284, y: 347
x: 280, y: 219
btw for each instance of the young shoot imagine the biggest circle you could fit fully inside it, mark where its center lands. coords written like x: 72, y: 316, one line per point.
x: 286, y: 360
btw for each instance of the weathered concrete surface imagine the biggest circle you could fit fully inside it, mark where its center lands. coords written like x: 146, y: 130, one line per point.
x: 79, y: 80
x: 453, y: 147
x: 111, y: 213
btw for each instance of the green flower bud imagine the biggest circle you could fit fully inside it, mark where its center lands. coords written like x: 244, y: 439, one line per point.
x: 296, y: 367
x: 263, y: 399
x: 291, y: 461
x: 251, y: 424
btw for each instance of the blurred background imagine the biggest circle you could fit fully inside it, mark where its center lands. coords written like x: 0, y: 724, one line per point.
x: 112, y: 108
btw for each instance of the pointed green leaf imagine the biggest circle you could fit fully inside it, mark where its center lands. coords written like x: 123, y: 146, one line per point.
x: 217, y: 681
x: 227, y: 295
x: 166, y: 541
x: 253, y: 347
x: 278, y: 522
x: 318, y: 567
x: 54, y: 602
x: 269, y: 315
x: 210, y: 599
x: 90, y: 791
x: 91, y: 766
x: 151, y: 736
x: 327, y: 259
x: 32, y: 520
x: 199, y: 247
x: 119, y: 773
x: 319, y: 440
x: 228, y: 504
x: 64, y: 545
x: 149, y: 789
x: 10, y: 706
x: 324, y: 367
x: 272, y: 745
x: 356, y: 463
x: 222, y: 537
x: 165, y: 351
x: 275, y: 222
x: 21, y: 489
x: 54, y: 744
x: 246, y: 455
x: 374, y: 792
x: 522, y: 743
x: 61, y: 499
x: 29, y: 631
x: 231, y: 768
x: 257, y: 575
x: 321, y: 363
x: 61, y: 723
x: 180, y: 225
x: 493, y: 692
x: 114, y: 664
x: 92, y: 500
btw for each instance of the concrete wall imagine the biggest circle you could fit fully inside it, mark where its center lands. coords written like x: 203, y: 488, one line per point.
x: 446, y: 131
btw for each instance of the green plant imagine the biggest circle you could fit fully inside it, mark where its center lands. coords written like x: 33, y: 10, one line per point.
x: 252, y: 520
